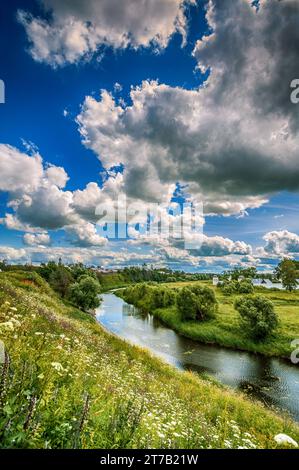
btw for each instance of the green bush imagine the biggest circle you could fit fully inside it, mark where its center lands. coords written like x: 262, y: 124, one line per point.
x: 245, y: 287
x: 228, y: 288
x: 237, y: 287
x: 85, y: 293
x: 258, y: 317
x: 149, y: 296
x: 196, y: 303
x: 60, y: 280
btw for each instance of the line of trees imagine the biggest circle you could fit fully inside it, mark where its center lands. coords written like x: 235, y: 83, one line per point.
x: 258, y: 318
x: 150, y: 274
x: 192, y: 302
x: 76, y: 283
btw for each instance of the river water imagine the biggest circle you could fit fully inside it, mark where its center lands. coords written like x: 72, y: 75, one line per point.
x: 275, y: 382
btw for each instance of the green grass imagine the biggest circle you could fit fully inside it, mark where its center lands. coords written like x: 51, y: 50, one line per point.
x: 225, y: 329
x: 112, y: 281
x: 66, y: 383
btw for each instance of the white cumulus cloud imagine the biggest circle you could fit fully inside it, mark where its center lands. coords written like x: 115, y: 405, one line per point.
x: 74, y: 30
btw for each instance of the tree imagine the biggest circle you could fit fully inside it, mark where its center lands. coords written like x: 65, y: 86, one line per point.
x: 245, y: 287
x: 247, y: 273
x: 3, y: 265
x: 236, y: 287
x: 258, y: 317
x: 46, y: 270
x: 287, y: 271
x: 196, y: 303
x: 85, y: 293
x: 60, y: 280
x: 78, y: 270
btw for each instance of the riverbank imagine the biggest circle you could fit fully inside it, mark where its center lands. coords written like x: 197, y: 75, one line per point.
x: 225, y: 329
x: 66, y: 383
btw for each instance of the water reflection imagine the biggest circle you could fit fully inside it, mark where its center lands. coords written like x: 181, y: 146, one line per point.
x: 274, y: 382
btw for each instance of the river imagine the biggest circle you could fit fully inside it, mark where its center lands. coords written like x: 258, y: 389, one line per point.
x: 275, y: 382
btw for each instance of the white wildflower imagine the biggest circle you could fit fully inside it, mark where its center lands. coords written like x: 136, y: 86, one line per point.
x: 8, y: 325
x: 57, y: 366
x: 283, y: 439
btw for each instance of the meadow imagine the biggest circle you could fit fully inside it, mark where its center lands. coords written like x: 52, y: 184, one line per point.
x: 66, y: 383
x: 225, y: 329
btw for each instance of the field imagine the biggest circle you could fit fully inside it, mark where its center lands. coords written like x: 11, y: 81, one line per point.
x: 66, y: 383
x: 225, y: 330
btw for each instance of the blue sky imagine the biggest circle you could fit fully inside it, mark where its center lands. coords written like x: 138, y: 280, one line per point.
x: 183, y: 132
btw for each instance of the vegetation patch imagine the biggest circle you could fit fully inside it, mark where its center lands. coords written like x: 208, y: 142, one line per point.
x: 225, y: 327
x: 66, y: 383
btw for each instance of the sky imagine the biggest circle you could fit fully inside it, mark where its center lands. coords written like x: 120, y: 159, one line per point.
x: 159, y: 106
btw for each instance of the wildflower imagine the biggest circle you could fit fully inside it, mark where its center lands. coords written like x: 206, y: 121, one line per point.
x: 16, y: 322
x: 14, y: 309
x: 283, y: 439
x: 57, y: 366
x: 8, y: 325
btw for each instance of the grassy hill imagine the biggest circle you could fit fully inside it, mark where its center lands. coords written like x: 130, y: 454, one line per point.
x: 66, y: 383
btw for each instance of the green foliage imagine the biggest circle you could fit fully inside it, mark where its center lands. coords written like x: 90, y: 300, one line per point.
x: 3, y: 265
x: 193, y: 303
x: 85, y: 293
x: 247, y: 273
x: 236, y: 287
x: 149, y: 296
x: 145, y: 274
x: 46, y: 270
x: 288, y: 272
x: 258, y: 317
x: 77, y: 283
x: 196, y: 303
x: 65, y: 383
x: 78, y: 270
x: 60, y: 280
x: 245, y: 287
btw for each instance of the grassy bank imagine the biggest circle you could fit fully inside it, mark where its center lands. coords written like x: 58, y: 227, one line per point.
x: 225, y: 329
x: 66, y: 383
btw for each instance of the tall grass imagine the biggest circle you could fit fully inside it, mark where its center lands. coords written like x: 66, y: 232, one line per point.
x: 65, y: 383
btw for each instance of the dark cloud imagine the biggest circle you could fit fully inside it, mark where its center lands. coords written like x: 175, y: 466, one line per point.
x: 233, y: 138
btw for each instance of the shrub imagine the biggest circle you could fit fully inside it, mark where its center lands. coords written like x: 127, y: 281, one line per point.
x: 60, y: 280
x: 85, y: 293
x: 149, y: 296
x: 236, y: 287
x: 228, y: 288
x: 245, y: 287
x: 257, y: 316
x: 196, y: 303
